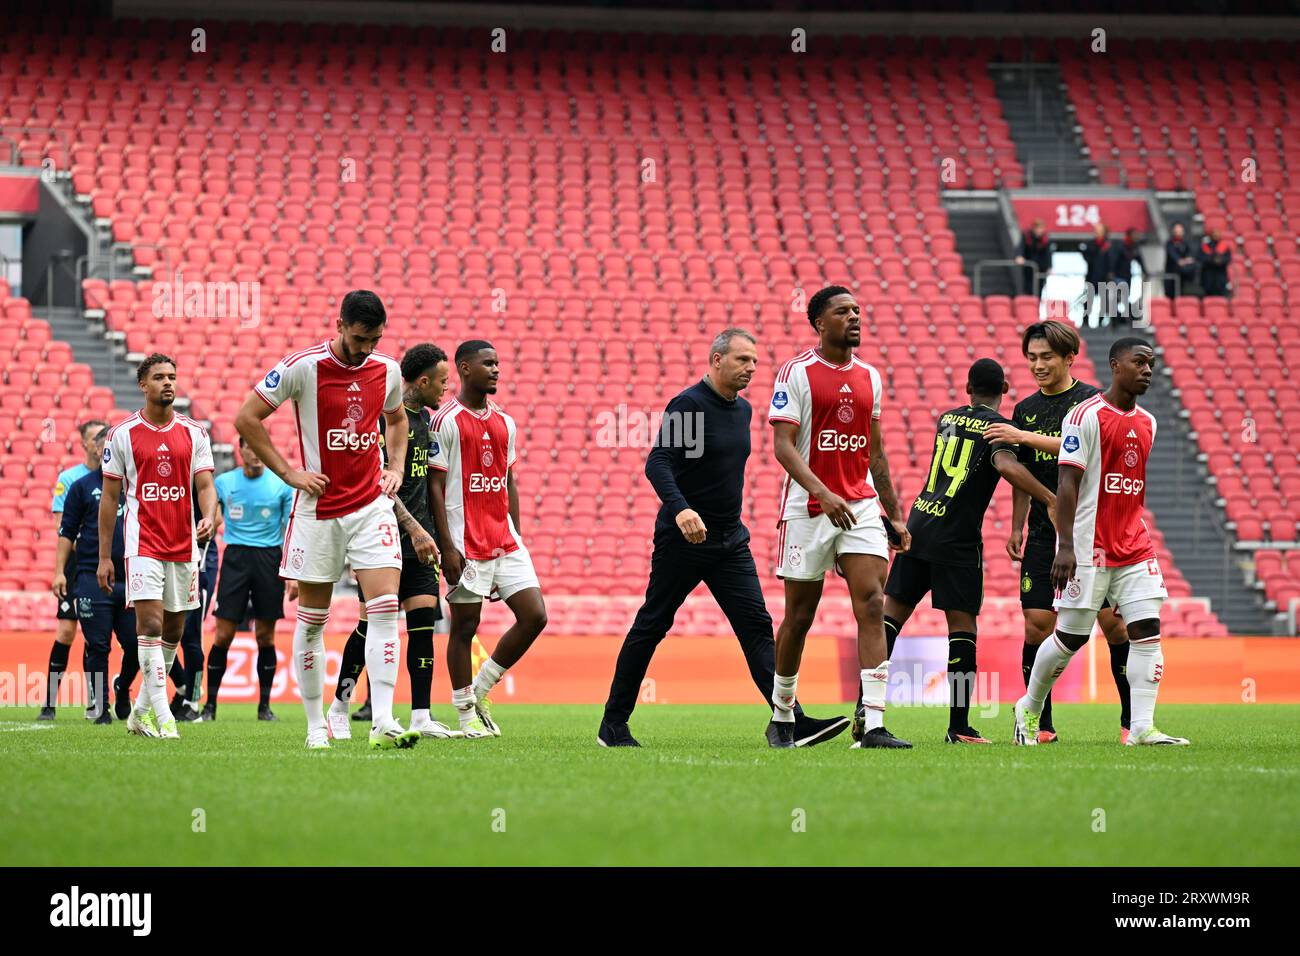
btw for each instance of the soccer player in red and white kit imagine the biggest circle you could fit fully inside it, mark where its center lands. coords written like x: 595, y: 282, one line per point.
x: 476, y: 511
x: 343, y: 505
x: 1104, y: 551
x: 161, y: 459
x: 835, y: 501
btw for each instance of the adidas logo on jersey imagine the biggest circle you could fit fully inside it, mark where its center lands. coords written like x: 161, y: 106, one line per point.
x: 485, y: 435
x: 163, y: 447
x: 354, y: 387
x: 845, y: 388
x: 1132, y: 433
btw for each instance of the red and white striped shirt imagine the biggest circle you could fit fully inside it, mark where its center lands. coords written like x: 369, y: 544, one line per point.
x: 337, y: 408
x: 157, y: 468
x: 1111, y: 448
x: 833, y: 405
x: 477, y: 451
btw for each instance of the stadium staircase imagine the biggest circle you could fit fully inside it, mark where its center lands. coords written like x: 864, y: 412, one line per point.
x: 91, y: 347
x: 1181, y: 493
x: 1042, y: 124
x: 980, y: 233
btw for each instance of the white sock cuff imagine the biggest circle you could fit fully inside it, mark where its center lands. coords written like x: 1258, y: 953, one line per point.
x: 313, y: 619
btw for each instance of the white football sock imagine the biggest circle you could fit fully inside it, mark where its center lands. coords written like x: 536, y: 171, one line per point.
x: 1146, y: 666
x: 487, y: 678
x: 309, y: 662
x: 142, y: 653
x: 463, y: 701
x: 153, y: 679
x: 1049, y: 664
x: 419, y: 718
x: 875, y: 683
x: 383, y: 647
x: 783, y: 697
x: 169, y: 656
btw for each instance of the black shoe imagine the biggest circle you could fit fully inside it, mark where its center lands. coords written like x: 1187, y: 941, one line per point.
x: 47, y: 713
x: 189, y: 713
x: 178, y: 707
x: 363, y: 712
x: 104, y: 718
x: 209, y: 712
x: 780, y: 734
x: 811, y: 731
x: 615, y: 735
x: 122, y: 707
x: 264, y: 712
x: 859, y: 723
x: 880, y: 737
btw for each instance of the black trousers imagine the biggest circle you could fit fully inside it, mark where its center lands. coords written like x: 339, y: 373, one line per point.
x: 724, y: 563
x: 101, y: 617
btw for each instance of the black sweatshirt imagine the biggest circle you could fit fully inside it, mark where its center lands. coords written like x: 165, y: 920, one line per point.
x: 698, y: 460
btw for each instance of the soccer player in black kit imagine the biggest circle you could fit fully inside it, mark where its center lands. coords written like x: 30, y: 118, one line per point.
x: 947, y: 553
x: 1050, y: 347
x: 424, y: 380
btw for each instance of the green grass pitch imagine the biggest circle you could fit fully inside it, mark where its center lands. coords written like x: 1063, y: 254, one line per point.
x: 704, y: 789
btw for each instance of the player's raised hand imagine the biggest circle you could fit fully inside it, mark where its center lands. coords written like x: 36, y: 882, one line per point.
x: 1063, y: 567
x: 60, y: 585
x: 692, y: 526
x: 104, y: 575
x: 424, y: 547
x: 389, y: 481
x: 1001, y: 431
x: 837, y: 509
x: 453, y: 563
x: 204, y: 531
x: 312, y: 482
x: 1016, y: 545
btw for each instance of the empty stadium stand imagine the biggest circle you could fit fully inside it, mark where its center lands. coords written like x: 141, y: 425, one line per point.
x: 598, y: 211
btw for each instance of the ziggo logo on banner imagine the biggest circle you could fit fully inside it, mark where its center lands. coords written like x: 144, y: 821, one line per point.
x: 240, y: 682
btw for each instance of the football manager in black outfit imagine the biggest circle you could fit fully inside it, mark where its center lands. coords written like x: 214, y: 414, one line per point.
x: 697, y: 467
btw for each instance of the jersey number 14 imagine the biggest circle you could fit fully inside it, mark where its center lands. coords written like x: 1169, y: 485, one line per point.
x: 953, y: 453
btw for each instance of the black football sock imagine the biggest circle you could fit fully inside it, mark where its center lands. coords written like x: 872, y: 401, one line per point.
x: 58, y: 664
x: 1119, y: 671
x: 419, y: 655
x: 961, y: 679
x: 265, y: 674
x: 216, y: 671
x: 177, y: 674
x: 1027, y: 655
x: 354, y: 662
x: 892, y: 627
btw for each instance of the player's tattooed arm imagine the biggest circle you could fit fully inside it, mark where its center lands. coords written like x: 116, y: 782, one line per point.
x: 421, y: 540
x: 880, y: 474
x: 390, y: 478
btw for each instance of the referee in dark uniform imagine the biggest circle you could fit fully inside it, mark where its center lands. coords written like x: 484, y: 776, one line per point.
x: 697, y: 468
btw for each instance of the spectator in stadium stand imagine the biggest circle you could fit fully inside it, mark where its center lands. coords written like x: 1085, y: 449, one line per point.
x: 1216, y: 254
x: 1097, y: 255
x: 1180, y: 263
x: 1124, y: 255
x: 1035, y: 247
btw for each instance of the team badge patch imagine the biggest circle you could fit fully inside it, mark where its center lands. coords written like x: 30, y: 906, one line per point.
x: 845, y: 414
x: 1074, y: 589
x: 297, y: 559
x: 1131, y: 458
x: 470, y: 573
x: 796, y: 556
x: 1026, y: 584
x: 780, y: 399
x: 1071, y: 443
x: 164, y: 469
x: 487, y: 458
x: 272, y: 379
x: 108, y: 454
